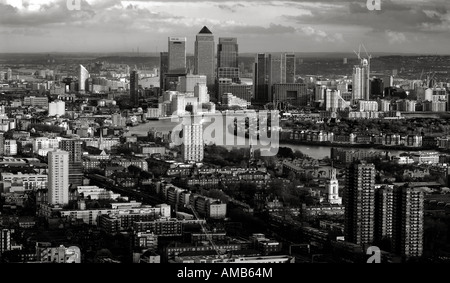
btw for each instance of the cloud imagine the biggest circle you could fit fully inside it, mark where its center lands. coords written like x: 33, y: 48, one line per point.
x: 296, y: 23
x: 405, y: 16
x: 320, y: 35
x: 395, y: 37
x: 46, y: 14
x: 255, y: 30
x: 231, y: 7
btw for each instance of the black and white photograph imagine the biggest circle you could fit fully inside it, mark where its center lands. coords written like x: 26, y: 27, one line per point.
x: 189, y: 133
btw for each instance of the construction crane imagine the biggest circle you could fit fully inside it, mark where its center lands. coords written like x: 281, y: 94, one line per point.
x: 205, y: 231
x: 369, y: 56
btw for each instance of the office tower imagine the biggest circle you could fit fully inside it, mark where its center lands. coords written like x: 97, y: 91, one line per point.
x: 73, y: 147
x: 163, y: 70
x: 177, y: 55
x: 83, y: 76
x: 384, y: 205
x: 359, y: 200
x: 361, y: 81
x: 261, y: 79
x: 289, y: 68
x: 134, y: 88
x: 275, y: 70
x: 193, y: 145
x: 332, y: 187
x: 272, y: 69
x: 377, y: 87
x: 58, y: 177
x: 408, y: 221
x: 227, y: 58
x: 205, y: 56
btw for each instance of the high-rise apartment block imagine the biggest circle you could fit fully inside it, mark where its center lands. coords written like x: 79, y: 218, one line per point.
x: 58, y: 177
x: 193, y: 144
x: 361, y: 81
x: 359, y: 200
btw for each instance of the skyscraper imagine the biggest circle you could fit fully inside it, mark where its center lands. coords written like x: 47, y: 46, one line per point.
x: 134, y: 88
x: 408, y: 221
x: 83, y: 76
x: 275, y: 70
x: 359, y: 200
x: 73, y: 147
x: 361, y: 81
x: 163, y: 70
x: 261, y: 79
x: 177, y: 55
x: 58, y: 177
x: 290, y: 68
x: 227, y: 58
x: 205, y: 55
x: 193, y: 143
x: 271, y: 70
x: 377, y: 87
x: 384, y: 205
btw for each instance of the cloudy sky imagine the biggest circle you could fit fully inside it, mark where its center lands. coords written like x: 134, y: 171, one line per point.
x: 410, y: 26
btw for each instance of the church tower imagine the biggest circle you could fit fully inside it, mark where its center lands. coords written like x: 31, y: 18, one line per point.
x: 333, y: 188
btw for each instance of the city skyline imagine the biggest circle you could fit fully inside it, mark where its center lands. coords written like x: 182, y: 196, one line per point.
x: 413, y: 26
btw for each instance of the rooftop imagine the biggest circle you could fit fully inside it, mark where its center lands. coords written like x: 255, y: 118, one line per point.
x: 205, y: 30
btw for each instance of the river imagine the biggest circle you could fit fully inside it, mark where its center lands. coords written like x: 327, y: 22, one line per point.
x: 314, y: 151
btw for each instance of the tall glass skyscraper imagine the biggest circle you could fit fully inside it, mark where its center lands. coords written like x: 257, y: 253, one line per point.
x: 289, y: 68
x: 134, y: 88
x: 261, y: 79
x: 272, y: 69
x: 205, y: 55
x: 163, y: 70
x: 227, y: 58
x: 83, y: 75
x: 177, y: 55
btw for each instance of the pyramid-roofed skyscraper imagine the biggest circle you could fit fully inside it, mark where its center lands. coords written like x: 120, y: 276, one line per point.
x: 205, y: 56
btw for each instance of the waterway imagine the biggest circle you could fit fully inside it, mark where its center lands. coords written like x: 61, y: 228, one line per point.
x: 314, y: 151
